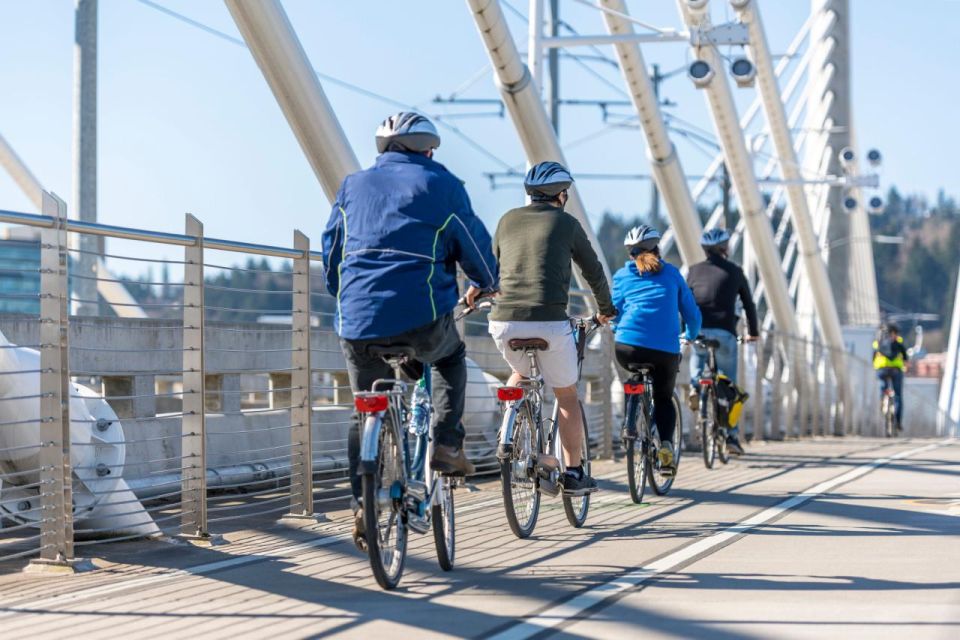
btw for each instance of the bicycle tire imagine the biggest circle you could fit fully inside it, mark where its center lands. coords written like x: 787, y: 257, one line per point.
x: 707, y: 428
x: 636, y: 459
x: 576, y: 508
x: 524, y: 435
x: 445, y: 525
x: 660, y: 483
x: 387, y: 554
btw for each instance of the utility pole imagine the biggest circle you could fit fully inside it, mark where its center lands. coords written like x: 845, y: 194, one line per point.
x: 85, y: 153
x: 554, y: 64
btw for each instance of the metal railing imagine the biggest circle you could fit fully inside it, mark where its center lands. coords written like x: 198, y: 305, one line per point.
x: 205, y: 417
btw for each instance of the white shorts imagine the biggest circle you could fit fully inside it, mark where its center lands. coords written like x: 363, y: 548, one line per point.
x: 558, y: 363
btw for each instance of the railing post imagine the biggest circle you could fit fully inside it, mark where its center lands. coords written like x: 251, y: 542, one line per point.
x: 301, y: 435
x: 193, y: 439
x: 803, y: 390
x: 849, y: 412
x: 776, y: 399
x: 606, y: 381
x: 815, y: 405
x: 56, y: 499
x: 793, y: 396
x: 758, y: 418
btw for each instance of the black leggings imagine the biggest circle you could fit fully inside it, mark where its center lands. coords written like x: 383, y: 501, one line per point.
x: 664, y: 374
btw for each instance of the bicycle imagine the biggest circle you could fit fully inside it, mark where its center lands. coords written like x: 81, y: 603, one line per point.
x: 531, y: 462
x: 713, y: 431
x: 395, y: 453
x: 888, y: 408
x: 643, y: 465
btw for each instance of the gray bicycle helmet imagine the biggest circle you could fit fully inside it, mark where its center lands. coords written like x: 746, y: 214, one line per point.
x: 547, y: 180
x: 407, y: 131
x: 641, y: 239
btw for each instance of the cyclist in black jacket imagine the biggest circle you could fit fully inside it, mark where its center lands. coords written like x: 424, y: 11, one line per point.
x: 716, y: 284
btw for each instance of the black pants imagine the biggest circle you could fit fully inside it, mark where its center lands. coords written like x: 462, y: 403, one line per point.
x: 665, y: 367
x: 437, y: 343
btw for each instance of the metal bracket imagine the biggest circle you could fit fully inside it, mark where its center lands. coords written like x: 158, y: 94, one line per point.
x: 721, y: 34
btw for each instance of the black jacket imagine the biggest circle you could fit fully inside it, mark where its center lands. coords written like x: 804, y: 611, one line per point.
x: 716, y: 282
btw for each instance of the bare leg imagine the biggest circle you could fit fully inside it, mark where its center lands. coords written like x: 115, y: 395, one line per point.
x: 514, y: 379
x: 571, y: 424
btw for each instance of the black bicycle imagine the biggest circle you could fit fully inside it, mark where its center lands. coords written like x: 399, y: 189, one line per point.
x: 641, y: 440
x: 713, y: 428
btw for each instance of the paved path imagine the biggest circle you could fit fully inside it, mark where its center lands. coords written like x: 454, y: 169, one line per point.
x: 857, y: 538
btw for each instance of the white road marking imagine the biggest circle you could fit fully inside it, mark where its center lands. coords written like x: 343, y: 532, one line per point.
x: 557, y: 615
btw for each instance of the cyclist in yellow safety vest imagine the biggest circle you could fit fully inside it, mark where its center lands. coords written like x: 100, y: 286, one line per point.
x: 889, y: 361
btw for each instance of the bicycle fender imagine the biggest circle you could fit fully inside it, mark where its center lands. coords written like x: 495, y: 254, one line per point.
x: 505, y: 447
x: 370, y: 443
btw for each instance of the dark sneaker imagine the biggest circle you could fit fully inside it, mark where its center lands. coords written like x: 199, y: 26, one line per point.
x: 451, y: 461
x: 733, y: 445
x: 359, y: 531
x: 577, y: 484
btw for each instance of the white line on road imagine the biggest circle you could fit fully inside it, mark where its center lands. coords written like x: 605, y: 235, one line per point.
x: 559, y: 614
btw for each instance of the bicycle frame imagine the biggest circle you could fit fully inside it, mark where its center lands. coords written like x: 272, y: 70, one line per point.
x: 415, y: 485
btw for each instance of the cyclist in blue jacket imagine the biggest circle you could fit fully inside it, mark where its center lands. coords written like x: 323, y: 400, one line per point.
x: 650, y: 296
x: 391, y: 248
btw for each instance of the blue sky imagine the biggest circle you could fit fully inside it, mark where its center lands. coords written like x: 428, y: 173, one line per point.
x: 187, y: 122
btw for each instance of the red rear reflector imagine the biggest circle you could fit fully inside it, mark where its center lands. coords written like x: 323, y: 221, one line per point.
x: 370, y: 404
x: 633, y: 389
x: 506, y: 394
x: 705, y: 382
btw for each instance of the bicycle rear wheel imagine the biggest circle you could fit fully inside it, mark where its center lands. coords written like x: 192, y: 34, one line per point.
x: 521, y: 499
x: 576, y: 507
x: 659, y: 482
x: 708, y: 421
x: 888, y: 415
x: 636, y: 459
x: 444, y: 523
x: 383, y: 518
x: 721, y: 441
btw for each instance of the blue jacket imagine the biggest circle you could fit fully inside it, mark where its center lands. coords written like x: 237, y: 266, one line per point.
x: 392, y: 244
x: 649, y: 306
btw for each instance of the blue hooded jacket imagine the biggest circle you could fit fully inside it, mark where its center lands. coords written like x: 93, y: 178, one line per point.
x: 649, y: 306
x: 392, y: 244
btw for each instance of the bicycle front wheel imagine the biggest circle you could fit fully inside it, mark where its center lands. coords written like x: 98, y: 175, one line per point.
x: 576, y: 507
x: 382, y: 510
x: 521, y: 499
x: 708, y: 422
x: 444, y: 523
x: 659, y: 482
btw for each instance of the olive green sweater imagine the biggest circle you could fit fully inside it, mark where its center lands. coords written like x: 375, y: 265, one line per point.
x: 534, y: 246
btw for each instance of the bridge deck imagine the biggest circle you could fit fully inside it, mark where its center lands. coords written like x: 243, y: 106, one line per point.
x: 873, y: 552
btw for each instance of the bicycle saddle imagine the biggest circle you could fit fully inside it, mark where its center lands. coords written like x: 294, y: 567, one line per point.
x: 640, y: 367
x: 522, y: 344
x: 392, y: 351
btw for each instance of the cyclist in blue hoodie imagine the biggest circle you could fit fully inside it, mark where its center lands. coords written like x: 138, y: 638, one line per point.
x: 391, y: 248
x: 650, y: 296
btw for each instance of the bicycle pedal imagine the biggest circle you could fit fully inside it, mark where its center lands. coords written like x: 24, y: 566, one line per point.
x: 579, y: 493
x: 549, y: 487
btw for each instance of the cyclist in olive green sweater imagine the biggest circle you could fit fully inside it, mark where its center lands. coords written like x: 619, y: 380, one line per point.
x: 534, y: 246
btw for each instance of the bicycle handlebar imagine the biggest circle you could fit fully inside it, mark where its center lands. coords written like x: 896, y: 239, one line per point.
x: 482, y: 302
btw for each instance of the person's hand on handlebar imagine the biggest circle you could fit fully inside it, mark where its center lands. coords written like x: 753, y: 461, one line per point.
x: 470, y: 297
x: 751, y: 338
x: 603, y: 320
